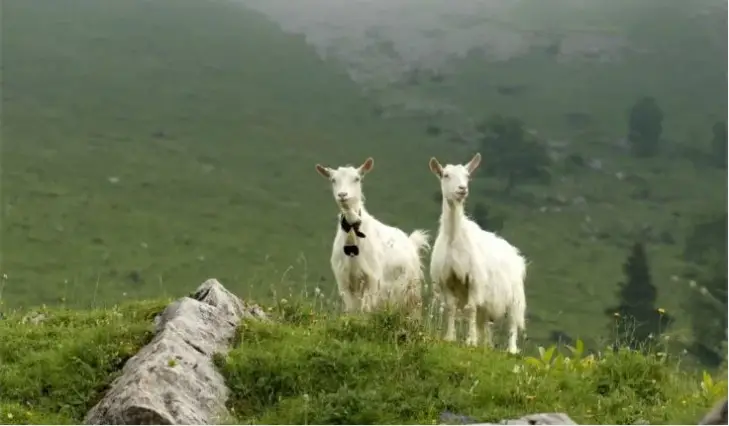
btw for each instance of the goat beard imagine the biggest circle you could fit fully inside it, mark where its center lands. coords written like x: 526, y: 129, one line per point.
x: 350, y: 215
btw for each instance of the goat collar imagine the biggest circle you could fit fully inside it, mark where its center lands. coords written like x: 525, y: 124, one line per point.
x: 346, y: 226
x: 350, y: 248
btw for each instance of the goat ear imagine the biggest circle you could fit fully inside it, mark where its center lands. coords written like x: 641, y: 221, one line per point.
x: 324, y: 171
x: 435, y: 167
x: 367, y: 166
x: 474, y: 163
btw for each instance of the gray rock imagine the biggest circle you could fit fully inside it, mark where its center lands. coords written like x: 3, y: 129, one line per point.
x: 172, y: 380
x: 595, y: 164
x: 542, y: 419
x: 34, y: 318
x: 717, y: 415
x: 447, y: 417
x: 532, y: 419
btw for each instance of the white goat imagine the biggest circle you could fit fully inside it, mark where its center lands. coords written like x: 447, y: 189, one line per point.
x: 473, y: 269
x: 383, y: 265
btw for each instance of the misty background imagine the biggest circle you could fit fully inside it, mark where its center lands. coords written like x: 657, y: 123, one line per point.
x: 148, y: 145
x: 384, y: 45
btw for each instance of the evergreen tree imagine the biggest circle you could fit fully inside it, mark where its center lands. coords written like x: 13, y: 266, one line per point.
x: 645, y: 125
x: 719, y: 143
x: 485, y: 219
x: 637, y: 320
x: 513, y: 154
x: 707, y: 306
x: 706, y: 249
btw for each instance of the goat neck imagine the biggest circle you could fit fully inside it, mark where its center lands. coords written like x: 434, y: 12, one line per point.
x: 451, y: 218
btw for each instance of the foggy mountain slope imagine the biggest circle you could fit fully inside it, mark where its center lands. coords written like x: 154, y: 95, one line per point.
x: 395, y: 37
x: 383, y: 44
x: 429, y: 33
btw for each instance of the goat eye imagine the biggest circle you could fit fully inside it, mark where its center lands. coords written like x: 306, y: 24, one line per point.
x: 446, y: 175
x: 333, y: 180
x: 357, y: 179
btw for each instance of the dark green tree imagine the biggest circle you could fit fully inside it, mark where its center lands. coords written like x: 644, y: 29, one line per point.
x: 706, y: 250
x: 636, y: 320
x: 719, y: 144
x: 645, y: 125
x: 512, y: 154
x: 485, y: 219
x: 708, y: 239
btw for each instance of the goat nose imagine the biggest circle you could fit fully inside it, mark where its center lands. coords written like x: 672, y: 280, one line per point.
x: 342, y: 194
x: 462, y: 188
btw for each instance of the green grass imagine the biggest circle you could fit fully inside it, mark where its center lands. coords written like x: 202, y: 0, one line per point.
x: 389, y: 369
x: 56, y: 363
x: 149, y: 145
x: 312, y: 367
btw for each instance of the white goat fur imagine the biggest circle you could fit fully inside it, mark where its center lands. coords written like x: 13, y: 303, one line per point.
x: 473, y: 269
x: 388, y: 268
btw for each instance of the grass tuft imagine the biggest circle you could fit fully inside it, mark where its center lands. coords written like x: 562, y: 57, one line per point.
x: 388, y: 368
x: 55, y: 364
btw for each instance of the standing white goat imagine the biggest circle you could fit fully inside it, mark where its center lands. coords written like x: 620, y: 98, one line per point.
x: 473, y: 269
x: 382, y: 264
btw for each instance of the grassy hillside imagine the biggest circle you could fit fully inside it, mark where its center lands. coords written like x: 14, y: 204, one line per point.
x: 55, y: 364
x: 312, y: 368
x: 149, y: 145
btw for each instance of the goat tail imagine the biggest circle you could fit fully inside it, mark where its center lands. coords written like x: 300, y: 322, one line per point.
x: 421, y: 240
x: 523, y: 269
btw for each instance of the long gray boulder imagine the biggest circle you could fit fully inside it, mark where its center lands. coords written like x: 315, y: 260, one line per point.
x: 172, y: 380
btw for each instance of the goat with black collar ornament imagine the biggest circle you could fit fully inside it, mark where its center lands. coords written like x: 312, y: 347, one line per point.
x: 352, y: 229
